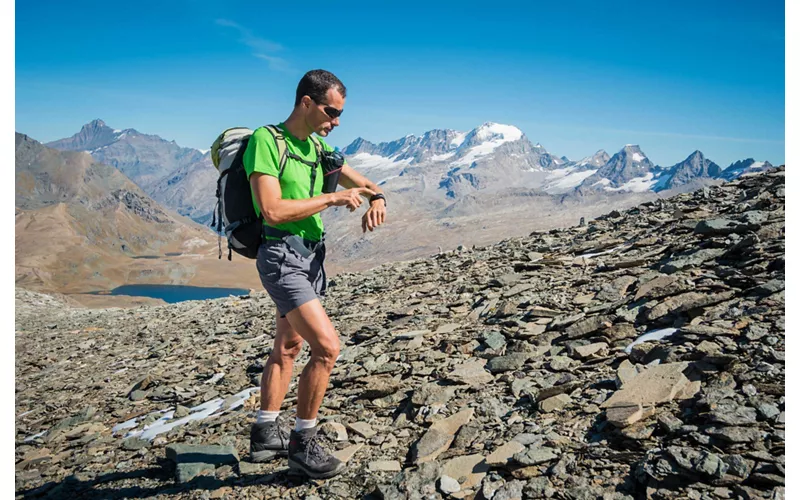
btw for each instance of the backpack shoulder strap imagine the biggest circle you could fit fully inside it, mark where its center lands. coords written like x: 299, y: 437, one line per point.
x: 317, y: 145
x: 280, y: 142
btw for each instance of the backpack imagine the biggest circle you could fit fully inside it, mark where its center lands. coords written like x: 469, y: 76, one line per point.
x: 234, y: 213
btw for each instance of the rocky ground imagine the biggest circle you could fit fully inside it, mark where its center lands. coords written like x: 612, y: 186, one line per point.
x: 502, y: 372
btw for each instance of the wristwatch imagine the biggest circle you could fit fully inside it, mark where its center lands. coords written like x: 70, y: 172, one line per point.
x: 378, y: 196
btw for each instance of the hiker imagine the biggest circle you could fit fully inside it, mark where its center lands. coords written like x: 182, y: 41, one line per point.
x: 290, y: 264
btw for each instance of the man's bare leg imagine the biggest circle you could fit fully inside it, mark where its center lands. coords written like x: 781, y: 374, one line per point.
x: 312, y: 324
x: 278, y: 369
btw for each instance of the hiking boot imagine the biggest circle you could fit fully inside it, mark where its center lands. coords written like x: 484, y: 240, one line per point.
x: 268, y: 440
x: 307, y: 455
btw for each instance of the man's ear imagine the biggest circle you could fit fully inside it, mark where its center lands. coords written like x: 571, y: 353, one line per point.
x: 306, y: 101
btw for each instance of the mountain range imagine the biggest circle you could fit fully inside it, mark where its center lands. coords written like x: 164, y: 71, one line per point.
x: 445, y: 188
x: 491, y: 158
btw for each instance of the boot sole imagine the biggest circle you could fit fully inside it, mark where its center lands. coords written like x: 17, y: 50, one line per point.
x: 297, y: 467
x: 267, y: 455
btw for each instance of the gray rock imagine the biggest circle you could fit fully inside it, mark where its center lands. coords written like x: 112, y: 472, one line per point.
x: 210, y: 454
x: 433, y: 394
x: 512, y: 490
x: 736, y: 434
x: 535, y: 456
x: 732, y: 414
x: 494, y: 340
x: 448, y: 485
x: 508, y: 362
x: 691, y: 259
x: 539, y: 487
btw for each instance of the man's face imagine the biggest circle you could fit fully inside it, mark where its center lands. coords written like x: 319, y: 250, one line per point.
x: 318, y: 114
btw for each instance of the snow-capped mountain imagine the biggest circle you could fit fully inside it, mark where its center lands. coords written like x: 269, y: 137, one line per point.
x: 741, y: 167
x: 463, y: 161
x: 628, y: 170
x: 493, y: 156
x: 572, y: 174
x: 695, y: 166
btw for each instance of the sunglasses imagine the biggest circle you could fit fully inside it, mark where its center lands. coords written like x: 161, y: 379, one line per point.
x: 333, y: 113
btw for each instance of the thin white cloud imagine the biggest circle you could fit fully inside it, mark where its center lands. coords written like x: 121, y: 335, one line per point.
x: 261, y: 47
x: 275, y: 63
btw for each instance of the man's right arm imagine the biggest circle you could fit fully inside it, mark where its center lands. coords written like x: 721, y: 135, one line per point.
x: 276, y: 210
x: 279, y: 211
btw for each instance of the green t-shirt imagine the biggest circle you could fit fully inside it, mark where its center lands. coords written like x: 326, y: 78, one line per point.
x: 261, y: 156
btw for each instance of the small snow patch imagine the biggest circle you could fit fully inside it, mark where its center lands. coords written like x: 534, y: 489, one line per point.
x: 651, y: 335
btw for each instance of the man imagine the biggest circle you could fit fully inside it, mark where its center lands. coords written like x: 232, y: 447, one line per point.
x: 290, y: 265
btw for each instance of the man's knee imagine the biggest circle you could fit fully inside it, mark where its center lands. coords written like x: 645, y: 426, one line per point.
x: 286, y: 353
x: 327, y: 348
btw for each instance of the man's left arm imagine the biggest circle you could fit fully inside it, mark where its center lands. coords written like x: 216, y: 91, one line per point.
x: 376, y: 214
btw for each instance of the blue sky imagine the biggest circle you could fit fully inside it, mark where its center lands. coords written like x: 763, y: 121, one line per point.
x: 574, y: 76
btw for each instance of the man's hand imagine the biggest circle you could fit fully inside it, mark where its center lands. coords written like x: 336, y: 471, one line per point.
x: 351, y: 198
x: 375, y: 216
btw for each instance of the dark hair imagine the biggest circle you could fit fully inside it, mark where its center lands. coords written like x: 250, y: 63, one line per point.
x: 316, y: 83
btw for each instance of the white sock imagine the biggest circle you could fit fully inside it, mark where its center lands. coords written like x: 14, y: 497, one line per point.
x: 266, y: 416
x: 300, y: 424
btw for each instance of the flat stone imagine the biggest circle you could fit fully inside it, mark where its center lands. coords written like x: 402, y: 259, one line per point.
x: 338, y: 432
x: 556, y: 390
x: 733, y: 414
x: 542, y: 312
x: 471, y: 373
x: 209, y: 454
x: 503, y: 454
x: 657, y: 384
x: 448, y: 485
x: 506, y: 363
x: 384, y: 466
x: 433, y: 393
x: 494, y: 340
x: 687, y: 302
x: 135, y: 443
x: 535, y: 456
x: 586, y: 351
x: 453, y: 423
x: 669, y: 422
x: 447, y: 328
x: 693, y: 259
x: 659, y: 287
x: 623, y: 416
x: 715, y: 227
x: 736, y: 434
x: 638, y: 431
x: 620, y: 331
x: 626, y: 372
x: 439, y: 436
x: 468, y: 470
x: 561, y: 363
x: 531, y: 330
x: 379, y: 386
x: 345, y: 454
x: 555, y: 403
x: 363, y: 429
x: 586, y: 326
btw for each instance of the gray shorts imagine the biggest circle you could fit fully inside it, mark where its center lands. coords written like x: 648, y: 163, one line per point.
x: 290, y: 279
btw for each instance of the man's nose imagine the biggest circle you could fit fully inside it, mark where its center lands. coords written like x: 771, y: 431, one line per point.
x: 335, y: 122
